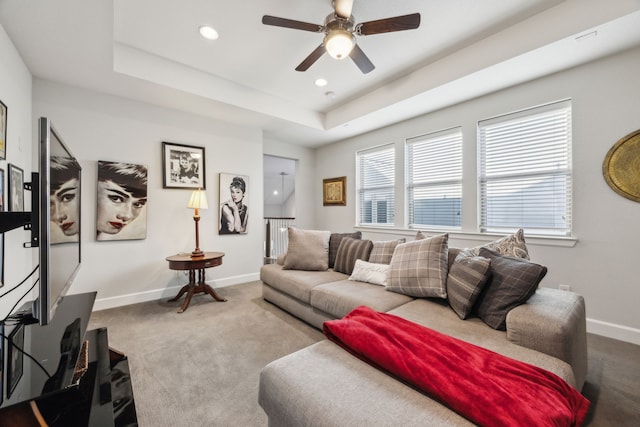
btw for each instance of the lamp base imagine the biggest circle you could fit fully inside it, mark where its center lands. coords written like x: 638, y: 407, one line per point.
x: 197, y: 253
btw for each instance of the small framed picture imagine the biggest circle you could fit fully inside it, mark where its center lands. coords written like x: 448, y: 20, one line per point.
x: 3, y: 131
x: 2, y: 190
x: 15, y: 358
x: 182, y: 166
x: 334, y: 191
x: 16, y: 188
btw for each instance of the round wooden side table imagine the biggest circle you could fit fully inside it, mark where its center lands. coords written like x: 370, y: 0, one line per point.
x: 193, y: 265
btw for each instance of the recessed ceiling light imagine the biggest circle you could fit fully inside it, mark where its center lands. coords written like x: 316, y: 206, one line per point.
x: 321, y: 82
x: 208, y: 32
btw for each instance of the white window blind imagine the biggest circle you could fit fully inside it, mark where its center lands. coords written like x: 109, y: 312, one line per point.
x: 376, y: 180
x: 434, y: 179
x: 525, y: 171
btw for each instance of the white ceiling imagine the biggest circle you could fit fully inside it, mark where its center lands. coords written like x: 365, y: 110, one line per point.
x: 150, y: 50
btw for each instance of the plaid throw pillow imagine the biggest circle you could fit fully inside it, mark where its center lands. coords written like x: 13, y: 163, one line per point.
x: 513, y: 282
x: 383, y: 251
x: 419, y: 268
x: 467, y: 277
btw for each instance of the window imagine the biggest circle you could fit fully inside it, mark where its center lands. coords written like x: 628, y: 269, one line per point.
x: 525, y: 171
x: 376, y: 180
x: 434, y: 179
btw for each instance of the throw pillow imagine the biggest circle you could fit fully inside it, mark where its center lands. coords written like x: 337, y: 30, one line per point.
x: 512, y: 245
x: 334, y: 244
x: 513, y: 282
x: 420, y: 235
x: 370, y: 272
x: 467, y: 277
x: 349, y: 251
x: 419, y: 268
x: 383, y: 251
x: 307, y: 250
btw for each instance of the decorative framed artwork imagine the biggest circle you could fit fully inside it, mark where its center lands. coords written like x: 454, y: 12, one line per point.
x: 15, y: 358
x: 16, y: 189
x: 3, y: 131
x: 234, y: 216
x: 334, y: 191
x: 121, y: 201
x: 621, y: 167
x: 183, y: 166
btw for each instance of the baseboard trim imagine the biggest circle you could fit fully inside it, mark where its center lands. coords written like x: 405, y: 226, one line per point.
x: 612, y: 330
x: 156, y: 294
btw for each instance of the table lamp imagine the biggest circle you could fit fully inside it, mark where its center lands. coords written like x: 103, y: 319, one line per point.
x: 197, y: 201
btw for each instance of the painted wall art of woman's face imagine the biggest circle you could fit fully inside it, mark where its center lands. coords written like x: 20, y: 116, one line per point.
x: 64, y: 203
x: 122, y: 199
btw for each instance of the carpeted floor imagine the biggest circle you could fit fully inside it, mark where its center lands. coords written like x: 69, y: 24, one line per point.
x: 201, y: 367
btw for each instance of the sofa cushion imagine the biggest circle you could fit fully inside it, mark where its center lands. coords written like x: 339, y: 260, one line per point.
x: 334, y: 244
x: 339, y: 298
x: 370, y: 272
x: 382, y: 252
x: 297, y: 283
x: 467, y: 276
x: 512, y: 245
x: 349, y: 251
x: 307, y: 250
x: 513, y: 281
x: 419, y: 268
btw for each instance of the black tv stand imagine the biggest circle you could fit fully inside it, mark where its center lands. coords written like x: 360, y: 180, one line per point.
x: 95, y: 393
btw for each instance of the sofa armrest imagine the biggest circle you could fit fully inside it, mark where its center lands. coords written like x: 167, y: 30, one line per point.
x: 553, y: 322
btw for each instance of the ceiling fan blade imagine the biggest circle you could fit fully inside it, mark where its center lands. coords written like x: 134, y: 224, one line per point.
x: 361, y: 60
x: 311, y: 59
x: 290, y: 23
x: 343, y: 8
x: 388, y: 25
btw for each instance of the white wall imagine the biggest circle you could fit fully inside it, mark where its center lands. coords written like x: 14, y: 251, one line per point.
x: 15, y: 93
x: 101, y: 127
x: 602, y: 265
x: 306, y: 183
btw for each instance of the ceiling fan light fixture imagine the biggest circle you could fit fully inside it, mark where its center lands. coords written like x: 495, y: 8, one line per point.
x: 339, y: 43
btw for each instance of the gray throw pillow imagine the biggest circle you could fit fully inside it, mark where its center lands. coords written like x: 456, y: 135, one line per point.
x: 467, y: 277
x: 349, y: 251
x: 307, y: 250
x: 383, y: 251
x: 334, y: 244
x: 513, y: 281
x: 419, y: 268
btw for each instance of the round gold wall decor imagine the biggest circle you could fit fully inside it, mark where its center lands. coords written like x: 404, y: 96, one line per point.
x: 621, y: 167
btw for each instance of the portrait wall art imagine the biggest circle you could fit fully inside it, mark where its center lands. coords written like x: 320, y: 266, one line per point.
x: 121, y: 201
x: 182, y: 166
x: 16, y: 188
x: 234, y: 192
x: 65, y: 200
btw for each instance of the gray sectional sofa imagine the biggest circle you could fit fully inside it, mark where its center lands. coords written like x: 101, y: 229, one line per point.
x: 324, y: 385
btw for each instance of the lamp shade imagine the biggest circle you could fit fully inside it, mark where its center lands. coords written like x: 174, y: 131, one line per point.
x: 339, y: 43
x: 198, y: 200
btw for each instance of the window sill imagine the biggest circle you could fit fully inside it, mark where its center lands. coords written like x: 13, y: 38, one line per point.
x: 557, y: 241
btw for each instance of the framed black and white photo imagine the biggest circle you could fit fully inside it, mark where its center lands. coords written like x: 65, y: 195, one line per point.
x: 121, y: 201
x: 16, y: 189
x: 234, y: 193
x: 183, y: 166
x: 15, y: 361
x: 3, y: 131
x: 1, y: 363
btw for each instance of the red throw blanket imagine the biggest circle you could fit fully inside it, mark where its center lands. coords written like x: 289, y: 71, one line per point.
x: 485, y: 387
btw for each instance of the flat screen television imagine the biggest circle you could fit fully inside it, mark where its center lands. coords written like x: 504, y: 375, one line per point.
x: 55, y: 220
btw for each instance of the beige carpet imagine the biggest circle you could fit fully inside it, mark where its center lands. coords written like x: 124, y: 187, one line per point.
x: 201, y: 367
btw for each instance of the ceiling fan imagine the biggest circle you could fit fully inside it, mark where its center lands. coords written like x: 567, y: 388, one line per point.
x: 340, y: 30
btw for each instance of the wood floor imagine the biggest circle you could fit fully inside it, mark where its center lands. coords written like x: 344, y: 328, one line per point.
x: 613, y: 383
